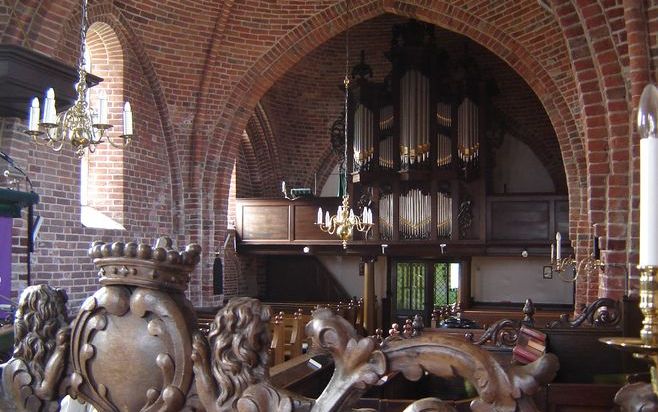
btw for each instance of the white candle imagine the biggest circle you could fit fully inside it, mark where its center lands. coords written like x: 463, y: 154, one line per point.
x: 102, y: 107
x: 319, y: 219
x: 49, y: 111
x: 646, y: 121
x: 327, y: 218
x: 558, y: 246
x: 127, y: 120
x: 33, y: 122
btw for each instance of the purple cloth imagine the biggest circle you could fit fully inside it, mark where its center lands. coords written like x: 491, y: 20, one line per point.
x: 5, y: 259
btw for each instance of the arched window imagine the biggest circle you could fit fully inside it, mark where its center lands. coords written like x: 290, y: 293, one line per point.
x: 101, y: 172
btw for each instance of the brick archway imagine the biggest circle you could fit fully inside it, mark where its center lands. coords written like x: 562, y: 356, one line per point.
x: 213, y: 178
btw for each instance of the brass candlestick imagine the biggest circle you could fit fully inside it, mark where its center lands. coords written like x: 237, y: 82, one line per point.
x: 646, y: 346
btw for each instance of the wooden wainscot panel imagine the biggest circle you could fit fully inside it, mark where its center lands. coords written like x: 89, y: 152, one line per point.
x: 562, y: 218
x: 515, y: 220
x: 305, y: 227
x: 260, y: 222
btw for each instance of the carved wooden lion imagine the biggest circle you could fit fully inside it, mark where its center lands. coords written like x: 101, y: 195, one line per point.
x: 41, y: 340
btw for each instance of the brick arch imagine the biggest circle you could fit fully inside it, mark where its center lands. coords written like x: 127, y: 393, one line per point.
x: 640, y: 74
x: 264, y: 137
x: 325, y: 25
x: 605, y: 112
x: 106, y: 12
x: 247, y: 162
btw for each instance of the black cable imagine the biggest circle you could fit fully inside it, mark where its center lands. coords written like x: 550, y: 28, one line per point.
x: 11, y: 163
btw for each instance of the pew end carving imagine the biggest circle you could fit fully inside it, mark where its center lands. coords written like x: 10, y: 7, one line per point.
x: 134, y: 345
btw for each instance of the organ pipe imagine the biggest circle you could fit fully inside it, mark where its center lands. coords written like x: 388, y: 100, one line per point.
x: 444, y: 215
x: 414, y: 118
x: 444, y: 114
x: 386, y: 216
x: 468, y: 143
x: 444, y: 148
x: 415, y: 215
x: 363, y: 137
x: 386, y: 142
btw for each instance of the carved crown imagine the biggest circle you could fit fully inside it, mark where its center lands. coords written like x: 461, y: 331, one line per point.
x: 160, y: 266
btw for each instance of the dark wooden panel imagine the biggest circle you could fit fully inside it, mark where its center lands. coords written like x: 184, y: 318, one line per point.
x: 301, y: 279
x: 559, y: 397
x: 265, y: 222
x: 305, y: 228
x: 25, y: 73
x: 562, y: 218
x: 512, y: 220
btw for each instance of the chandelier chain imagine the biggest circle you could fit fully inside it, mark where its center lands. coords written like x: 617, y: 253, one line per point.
x: 83, y: 36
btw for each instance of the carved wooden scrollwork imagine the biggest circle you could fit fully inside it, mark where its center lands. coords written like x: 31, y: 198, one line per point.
x: 448, y: 356
x: 134, y: 346
x: 637, y: 397
x: 357, y: 364
x: 143, y: 331
x: 603, y: 312
x: 504, y: 332
x: 430, y: 405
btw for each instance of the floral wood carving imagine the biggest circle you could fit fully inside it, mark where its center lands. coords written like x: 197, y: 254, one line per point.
x: 33, y: 377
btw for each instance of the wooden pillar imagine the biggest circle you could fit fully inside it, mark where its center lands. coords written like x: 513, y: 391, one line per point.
x: 464, y: 298
x: 369, y: 320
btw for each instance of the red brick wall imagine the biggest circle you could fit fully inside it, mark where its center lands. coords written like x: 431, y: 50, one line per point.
x: 197, y: 69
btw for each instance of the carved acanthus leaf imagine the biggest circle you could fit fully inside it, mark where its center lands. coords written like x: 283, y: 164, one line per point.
x: 357, y: 363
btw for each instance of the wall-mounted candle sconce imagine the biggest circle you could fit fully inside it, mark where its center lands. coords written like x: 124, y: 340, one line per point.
x: 561, y: 265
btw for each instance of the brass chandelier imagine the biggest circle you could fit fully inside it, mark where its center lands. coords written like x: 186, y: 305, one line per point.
x: 345, y: 221
x: 82, y: 126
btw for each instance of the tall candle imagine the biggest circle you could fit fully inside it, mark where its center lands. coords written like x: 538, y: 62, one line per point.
x: 33, y: 122
x: 127, y: 120
x: 647, y: 116
x: 319, y: 219
x: 49, y: 111
x: 558, y: 246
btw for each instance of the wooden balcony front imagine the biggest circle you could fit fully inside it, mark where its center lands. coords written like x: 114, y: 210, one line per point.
x: 272, y: 226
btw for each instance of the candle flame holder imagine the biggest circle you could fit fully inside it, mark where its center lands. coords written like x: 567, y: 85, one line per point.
x: 589, y: 265
x: 646, y: 346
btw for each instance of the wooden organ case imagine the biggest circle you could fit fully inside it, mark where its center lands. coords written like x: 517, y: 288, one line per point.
x: 417, y: 142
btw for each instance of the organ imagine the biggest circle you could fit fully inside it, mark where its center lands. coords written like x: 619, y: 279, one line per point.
x: 418, y: 138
